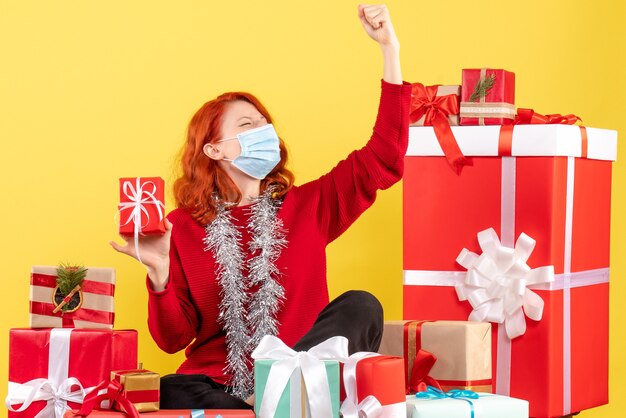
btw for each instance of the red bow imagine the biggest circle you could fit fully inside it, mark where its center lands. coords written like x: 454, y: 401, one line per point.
x: 113, y: 393
x: 530, y: 117
x: 435, y: 110
x: 424, y: 361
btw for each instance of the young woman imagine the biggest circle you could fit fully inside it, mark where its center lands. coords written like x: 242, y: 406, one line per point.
x: 244, y: 252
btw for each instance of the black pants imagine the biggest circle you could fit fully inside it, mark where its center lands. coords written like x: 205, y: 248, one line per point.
x: 356, y: 315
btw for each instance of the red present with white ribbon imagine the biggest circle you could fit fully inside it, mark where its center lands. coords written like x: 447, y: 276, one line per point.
x: 96, y: 306
x: 374, y: 386
x: 52, y: 370
x: 552, y: 183
x: 142, y: 207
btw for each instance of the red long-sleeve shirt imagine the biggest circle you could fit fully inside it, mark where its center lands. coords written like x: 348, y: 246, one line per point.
x: 314, y: 214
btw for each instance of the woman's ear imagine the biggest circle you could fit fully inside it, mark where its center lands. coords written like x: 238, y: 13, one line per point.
x: 212, y: 152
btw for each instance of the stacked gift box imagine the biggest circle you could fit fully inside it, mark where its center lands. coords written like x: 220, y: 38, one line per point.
x: 71, y: 357
x: 71, y: 346
x: 506, y: 220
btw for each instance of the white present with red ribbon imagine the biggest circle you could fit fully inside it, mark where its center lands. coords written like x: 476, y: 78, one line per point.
x: 95, y: 308
x: 552, y: 183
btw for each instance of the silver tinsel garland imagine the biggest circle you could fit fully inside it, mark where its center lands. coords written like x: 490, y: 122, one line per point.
x: 267, y: 241
x: 247, y: 319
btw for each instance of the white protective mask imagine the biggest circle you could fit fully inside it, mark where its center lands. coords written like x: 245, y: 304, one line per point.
x: 260, y: 151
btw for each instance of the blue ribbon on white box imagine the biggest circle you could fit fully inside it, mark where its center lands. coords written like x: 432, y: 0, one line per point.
x: 462, y: 395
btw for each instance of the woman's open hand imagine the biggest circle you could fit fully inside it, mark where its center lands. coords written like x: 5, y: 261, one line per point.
x: 155, y: 254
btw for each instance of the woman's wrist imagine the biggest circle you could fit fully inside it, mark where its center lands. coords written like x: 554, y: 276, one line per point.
x: 391, y: 62
x: 159, y: 277
x: 390, y: 47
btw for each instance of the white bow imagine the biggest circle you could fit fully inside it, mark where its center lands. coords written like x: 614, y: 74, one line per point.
x: 496, y: 282
x: 139, y: 197
x: 57, y: 397
x: 369, y: 407
x: 312, y: 368
x: 56, y: 388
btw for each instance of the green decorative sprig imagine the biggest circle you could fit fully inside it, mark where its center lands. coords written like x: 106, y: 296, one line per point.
x: 483, y: 87
x: 68, y: 277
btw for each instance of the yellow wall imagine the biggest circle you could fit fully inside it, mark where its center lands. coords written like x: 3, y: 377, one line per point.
x: 91, y: 91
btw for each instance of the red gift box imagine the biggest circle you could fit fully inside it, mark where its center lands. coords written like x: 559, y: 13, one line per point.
x: 178, y: 413
x: 374, y: 384
x: 142, y: 208
x: 53, y: 364
x: 497, y: 106
x: 96, y: 308
x: 544, y: 189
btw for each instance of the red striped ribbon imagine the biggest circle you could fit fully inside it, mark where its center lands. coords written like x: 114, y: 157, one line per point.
x: 88, y: 286
x: 68, y: 318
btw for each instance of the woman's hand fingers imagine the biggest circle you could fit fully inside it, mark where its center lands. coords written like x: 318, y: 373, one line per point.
x: 124, y: 249
x: 377, y: 23
x: 154, y: 249
x: 375, y: 15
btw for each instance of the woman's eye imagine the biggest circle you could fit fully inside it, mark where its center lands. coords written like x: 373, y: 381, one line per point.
x: 245, y: 124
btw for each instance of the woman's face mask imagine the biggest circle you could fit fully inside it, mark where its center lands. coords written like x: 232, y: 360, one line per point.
x: 260, y: 151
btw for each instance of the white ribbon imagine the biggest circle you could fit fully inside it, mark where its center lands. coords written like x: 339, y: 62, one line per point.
x: 451, y: 278
x: 496, y: 283
x: 312, y: 368
x: 139, y: 196
x: 370, y: 406
x: 57, y: 388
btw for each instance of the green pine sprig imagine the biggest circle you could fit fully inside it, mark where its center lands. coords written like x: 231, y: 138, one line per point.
x: 482, y: 88
x: 68, y: 277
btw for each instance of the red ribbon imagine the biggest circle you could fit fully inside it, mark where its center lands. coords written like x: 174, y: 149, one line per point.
x: 435, y: 110
x: 530, y: 117
x: 68, y: 318
x: 420, y: 380
x: 138, y: 396
x: 113, y: 394
x: 88, y: 286
x: 424, y: 361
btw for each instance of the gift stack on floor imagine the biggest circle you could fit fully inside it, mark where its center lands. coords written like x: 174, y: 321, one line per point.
x: 71, y: 346
x: 506, y: 220
x: 71, y: 362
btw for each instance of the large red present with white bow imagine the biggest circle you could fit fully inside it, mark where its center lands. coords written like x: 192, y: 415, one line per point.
x: 548, y: 182
x: 374, y: 386
x: 51, y: 370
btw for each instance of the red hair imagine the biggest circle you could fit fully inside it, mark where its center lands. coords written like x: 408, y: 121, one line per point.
x: 202, y: 177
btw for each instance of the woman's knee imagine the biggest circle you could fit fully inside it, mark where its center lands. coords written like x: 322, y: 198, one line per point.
x: 360, y: 302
